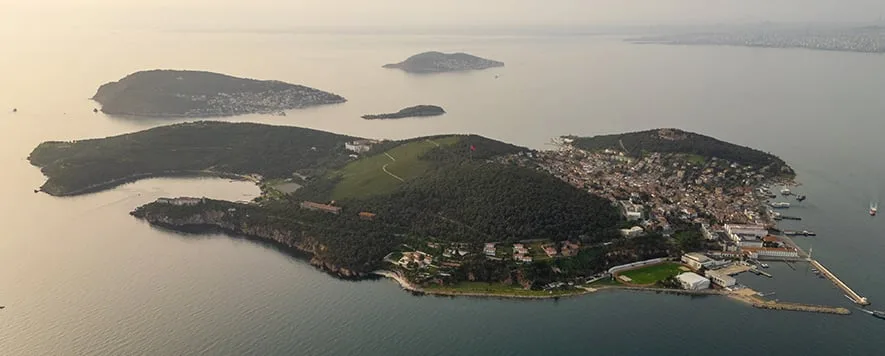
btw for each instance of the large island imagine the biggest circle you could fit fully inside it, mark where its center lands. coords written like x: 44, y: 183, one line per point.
x: 438, y: 62
x: 412, y: 111
x: 180, y: 93
x: 449, y: 214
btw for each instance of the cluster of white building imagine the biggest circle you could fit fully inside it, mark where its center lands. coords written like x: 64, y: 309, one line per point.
x: 521, y: 253
x: 712, y: 273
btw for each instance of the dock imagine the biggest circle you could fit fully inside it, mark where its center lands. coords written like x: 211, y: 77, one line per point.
x: 851, y: 294
x: 758, y: 272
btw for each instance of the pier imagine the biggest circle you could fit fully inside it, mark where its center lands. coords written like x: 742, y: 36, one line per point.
x: 856, y: 298
x: 801, y: 307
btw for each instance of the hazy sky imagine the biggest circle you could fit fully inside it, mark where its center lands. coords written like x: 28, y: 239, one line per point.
x: 183, y: 14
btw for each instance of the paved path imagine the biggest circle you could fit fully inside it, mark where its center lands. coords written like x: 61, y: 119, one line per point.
x: 384, y: 168
x: 391, y: 174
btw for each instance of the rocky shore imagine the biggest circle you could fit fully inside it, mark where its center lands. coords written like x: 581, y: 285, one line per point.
x: 216, y: 219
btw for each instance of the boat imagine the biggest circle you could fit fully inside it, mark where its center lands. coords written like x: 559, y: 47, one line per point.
x: 779, y: 205
x: 800, y: 197
x: 874, y: 313
x: 764, y: 265
x: 786, y: 191
x: 808, y: 233
x: 874, y: 208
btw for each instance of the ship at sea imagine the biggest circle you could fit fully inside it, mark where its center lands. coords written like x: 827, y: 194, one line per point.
x: 874, y: 208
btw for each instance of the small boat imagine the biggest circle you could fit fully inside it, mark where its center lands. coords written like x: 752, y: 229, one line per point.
x: 779, y: 205
x: 800, y: 197
x: 808, y: 233
x: 786, y: 191
x: 874, y: 313
x: 764, y: 265
x: 874, y: 208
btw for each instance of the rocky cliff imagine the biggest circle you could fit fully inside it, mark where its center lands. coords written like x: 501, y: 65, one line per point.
x: 318, y: 253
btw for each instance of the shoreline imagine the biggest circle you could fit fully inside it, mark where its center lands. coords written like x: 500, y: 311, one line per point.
x: 744, y: 299
x: 410, y: 287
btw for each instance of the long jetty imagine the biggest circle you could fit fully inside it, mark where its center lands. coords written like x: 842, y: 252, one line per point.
x: 851, y: 294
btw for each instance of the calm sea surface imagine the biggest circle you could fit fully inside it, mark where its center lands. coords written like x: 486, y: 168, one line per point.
x: 79, y: 276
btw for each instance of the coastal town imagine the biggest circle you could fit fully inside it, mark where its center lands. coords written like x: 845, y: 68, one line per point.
x: 266, y: 102
x: 727, y: 203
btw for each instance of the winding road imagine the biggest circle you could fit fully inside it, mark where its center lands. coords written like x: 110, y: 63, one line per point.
x: 384, y: 168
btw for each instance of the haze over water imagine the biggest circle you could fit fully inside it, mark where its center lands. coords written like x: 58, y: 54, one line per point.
x: 79, y: 276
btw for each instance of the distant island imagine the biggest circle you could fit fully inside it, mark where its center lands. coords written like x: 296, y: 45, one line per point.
x: 180, y: 93
x: 449, y: 214
x: 865, y: 39
x: 413, y: 111
x: 438, y: 62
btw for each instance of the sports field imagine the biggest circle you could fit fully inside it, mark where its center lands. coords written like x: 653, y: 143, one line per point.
x: 654, y: 273
x: 382, y: 173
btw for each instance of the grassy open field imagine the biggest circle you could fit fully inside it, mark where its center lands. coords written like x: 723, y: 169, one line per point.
x: 653, y: 273
x: 366, y: 176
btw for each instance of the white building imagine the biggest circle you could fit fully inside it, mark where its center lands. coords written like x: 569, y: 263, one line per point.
x: 360, y: 146
x: 697, y: 261
x: 635, y: 231
x: 746, y: 235
x: 708, y: 234
x: 720, y: 279
x: 693, y: 281
x: 631, y: 211
x: 489, y: 249
x: 771, y: 252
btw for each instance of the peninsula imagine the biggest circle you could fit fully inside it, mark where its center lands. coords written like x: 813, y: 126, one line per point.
x: 438, y: 62
x: 413, y: 111
x: 453, y: 214
x: 180, y: 93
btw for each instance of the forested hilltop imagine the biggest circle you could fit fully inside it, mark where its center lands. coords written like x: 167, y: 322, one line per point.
x: 184, y: 93
x: 189, y: 148
x: 677, y: 141
x: 361, y: 200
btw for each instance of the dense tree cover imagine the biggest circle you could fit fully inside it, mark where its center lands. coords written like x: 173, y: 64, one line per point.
x: 346, y: 240
x: 464, y: 196
x: 689, y: 240
x: 241, y: 148
x: 479, y: 201
x: 678, y: 141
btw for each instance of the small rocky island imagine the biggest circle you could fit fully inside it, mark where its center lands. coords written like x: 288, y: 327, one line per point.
x: 412, y: 111
x: 438, y: 62
x: 178, y: 93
